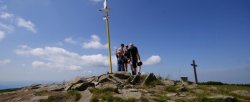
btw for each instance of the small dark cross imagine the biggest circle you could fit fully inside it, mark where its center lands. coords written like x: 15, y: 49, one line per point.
x: 195, y: 74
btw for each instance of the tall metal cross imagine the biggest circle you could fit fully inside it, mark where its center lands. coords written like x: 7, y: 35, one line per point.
x: 106, y: 10
x: 195, y: 74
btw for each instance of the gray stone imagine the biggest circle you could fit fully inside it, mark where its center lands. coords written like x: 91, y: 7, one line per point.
x: 35, y: 86
x: 86, y: 96
x: 171, y: 94
x: 104, y: 78
x: 244, y: 93
x: 126, y: 94
x: 82, y: 86
x: 182, y: 89
x: 198, y: 91
x: 78, y: 80
x: 136, y: 79
x: 150, y: 78
x: 55, y: 87
x: 122, y: 75
x: 168, y: 82
x: 223, y: 97
x: 37, y: 98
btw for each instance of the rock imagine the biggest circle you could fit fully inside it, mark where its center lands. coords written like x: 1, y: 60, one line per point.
x: 55, y: 87
x: 182, y: 89
x: 67, y: 88
x: 38, y: 98
x: 128, y: 86
x: 78, y: 80
x: 168, y: 82
x: 35, y: 86
x: 198, y: 91
x: 171, y: 94
x: 222, y: 97
x: 150, y: 78
x: 104, y: 78
x: 136, y: 79
x: 122, y: 75
x: 86, y: 96
x: 128, y: 93
x: 82, y: 86
x: 244, y: 93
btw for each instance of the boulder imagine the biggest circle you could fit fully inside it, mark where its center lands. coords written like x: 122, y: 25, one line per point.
x: 168, y: 82
x: 135, y: 79
x: 104, y: 78
x: 55, y: 87
x: 86, y: 96
x: 150, y: 78
x: 122, y: 75
x: 78, y: 80
x: 35, y: 86
x: 82, y: 86
x: 129, y: 93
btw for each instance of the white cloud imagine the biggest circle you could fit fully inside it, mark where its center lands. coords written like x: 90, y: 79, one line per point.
x: 2, y: 35
x: 6, y: 15
x: 59, y: 58
x: 154, y: 59
x: 70, y: 40
x: 94, y: 43
x: 6, y: 61
x: 26, y: 24
x: 10, y: 21
x: 7, y: 28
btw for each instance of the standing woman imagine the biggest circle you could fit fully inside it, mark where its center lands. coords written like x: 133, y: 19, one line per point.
x: 127, y: 56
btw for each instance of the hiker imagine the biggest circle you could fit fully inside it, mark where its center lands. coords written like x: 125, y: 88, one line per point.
x: 127, y: 56
x: 134, y: 59
x: 120, y: 58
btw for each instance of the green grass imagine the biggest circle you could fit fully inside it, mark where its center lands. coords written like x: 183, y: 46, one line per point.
x: 41, y: 93
x: 171, y: 88
x: 74, y: 94
x: 71, y: 96
x: 161, y: 98
x: 110, y: 98
x: 227, y: 90
x: 55, y: 98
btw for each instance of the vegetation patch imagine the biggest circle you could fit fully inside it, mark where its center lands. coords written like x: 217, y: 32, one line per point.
x: 161, y: 98
x: 171, y: 88
x: 74, y: 94
x: 71, y: 96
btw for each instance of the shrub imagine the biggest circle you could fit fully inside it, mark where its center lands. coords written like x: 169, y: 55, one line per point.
x: 212, y: 83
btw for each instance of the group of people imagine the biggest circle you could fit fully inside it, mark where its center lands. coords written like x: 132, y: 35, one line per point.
x: 128, y: 55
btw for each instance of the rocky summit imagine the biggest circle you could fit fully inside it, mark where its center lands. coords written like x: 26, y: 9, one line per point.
x: 124, y: 87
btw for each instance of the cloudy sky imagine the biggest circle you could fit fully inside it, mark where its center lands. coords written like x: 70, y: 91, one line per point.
x: 56, y: 40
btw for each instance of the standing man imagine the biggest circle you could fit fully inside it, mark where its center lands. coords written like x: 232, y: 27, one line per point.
x: 120, y: 58
x: 134, y: 58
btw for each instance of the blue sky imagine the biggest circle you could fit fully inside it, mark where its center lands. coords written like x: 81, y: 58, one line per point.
x: 56, y: 40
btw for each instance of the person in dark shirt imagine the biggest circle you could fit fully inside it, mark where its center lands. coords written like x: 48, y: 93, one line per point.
x: 134, y: 58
